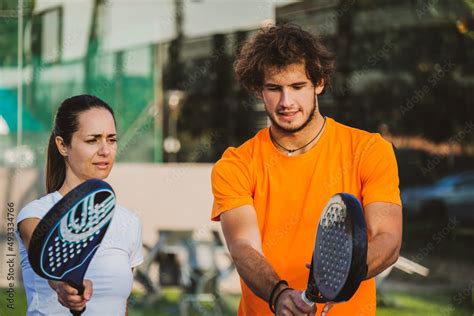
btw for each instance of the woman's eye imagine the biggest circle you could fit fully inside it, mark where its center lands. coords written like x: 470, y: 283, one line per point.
x: 112, y: 140
x: 91, y: 141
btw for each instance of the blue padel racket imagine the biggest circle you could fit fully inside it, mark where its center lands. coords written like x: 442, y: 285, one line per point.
x: 339, y: 262
x: 66, y: 239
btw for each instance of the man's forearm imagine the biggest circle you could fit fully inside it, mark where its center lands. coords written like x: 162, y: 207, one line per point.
x: 254, y: 269
x: 383, y: 251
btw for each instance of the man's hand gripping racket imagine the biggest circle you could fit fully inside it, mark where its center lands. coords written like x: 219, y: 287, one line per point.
x: 66, y: 239
x: 339, y: 262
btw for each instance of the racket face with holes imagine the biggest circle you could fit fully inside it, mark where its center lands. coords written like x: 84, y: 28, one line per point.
x: 340, y: 255
x: 66, y: 239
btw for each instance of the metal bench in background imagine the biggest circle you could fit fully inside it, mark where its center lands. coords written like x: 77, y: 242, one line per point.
x: 403, y: 264
x: 194, y: 261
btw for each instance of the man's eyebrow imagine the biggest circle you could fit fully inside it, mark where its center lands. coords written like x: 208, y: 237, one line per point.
x: 299, y: 83
x: 99, y: 135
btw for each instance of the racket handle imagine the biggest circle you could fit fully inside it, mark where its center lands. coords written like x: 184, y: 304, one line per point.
x: 305, y: 299
x: 77, y: 313
x: 80, y: 290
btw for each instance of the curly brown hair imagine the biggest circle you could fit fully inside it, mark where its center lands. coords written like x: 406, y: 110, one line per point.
x: 278, y: 47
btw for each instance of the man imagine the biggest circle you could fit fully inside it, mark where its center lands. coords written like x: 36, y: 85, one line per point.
x: 270, y: 191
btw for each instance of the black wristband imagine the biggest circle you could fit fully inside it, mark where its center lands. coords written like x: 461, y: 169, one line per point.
x: 273, y: 293
x: 278, y: 296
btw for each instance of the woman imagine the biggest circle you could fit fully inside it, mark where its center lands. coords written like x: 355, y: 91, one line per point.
x: 82, y: 146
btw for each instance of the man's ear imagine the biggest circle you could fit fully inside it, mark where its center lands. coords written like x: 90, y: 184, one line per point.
x: 320, y: 87
x: 62, y: 148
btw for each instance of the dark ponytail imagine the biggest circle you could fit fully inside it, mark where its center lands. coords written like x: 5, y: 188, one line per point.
x: 66, y: 123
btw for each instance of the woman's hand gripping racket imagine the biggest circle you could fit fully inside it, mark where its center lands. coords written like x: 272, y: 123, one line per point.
x: 66, y: 239
x: 339, y: 262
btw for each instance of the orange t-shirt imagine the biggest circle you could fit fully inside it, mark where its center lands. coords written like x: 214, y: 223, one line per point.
x: 289, y: 194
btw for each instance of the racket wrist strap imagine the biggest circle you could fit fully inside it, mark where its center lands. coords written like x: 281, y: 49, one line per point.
x: 272, y: 293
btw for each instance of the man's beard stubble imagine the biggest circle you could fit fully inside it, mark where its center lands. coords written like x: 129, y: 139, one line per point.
x: 291, y: 130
